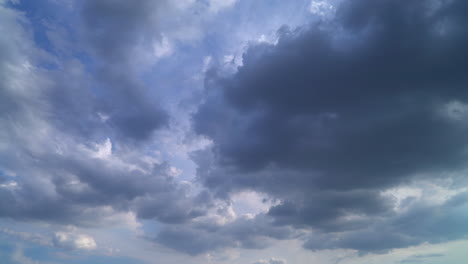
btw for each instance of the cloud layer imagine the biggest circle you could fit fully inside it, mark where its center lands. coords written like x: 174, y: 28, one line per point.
x: 203, y: 131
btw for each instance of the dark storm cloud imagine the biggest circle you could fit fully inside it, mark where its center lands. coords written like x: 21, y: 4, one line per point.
x: 336, y: 112
x: 308, y: 104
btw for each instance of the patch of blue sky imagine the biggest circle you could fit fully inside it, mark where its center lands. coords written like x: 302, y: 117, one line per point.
x: 38, y: 13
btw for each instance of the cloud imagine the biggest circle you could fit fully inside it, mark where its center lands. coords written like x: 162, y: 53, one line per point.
x: 419, y: 223
x: 117, y: 33
x: 421, y: 258
x: 320, y: 124
x: 58, y: 162
x: 115, y: 28
x: 271, y: 261
x: 321, y: 8
x: 335, y: 114
x: 203, y: 236
x: 30, y: 237
x: 217, y: 5
x: 71, y: 241
x: 19, y: 257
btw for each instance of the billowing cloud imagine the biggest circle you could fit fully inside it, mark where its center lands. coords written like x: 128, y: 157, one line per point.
x: 337, y: 112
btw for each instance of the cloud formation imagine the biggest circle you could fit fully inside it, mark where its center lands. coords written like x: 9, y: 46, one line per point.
x: 49, y: 170
x: 136, y: 128
x: 337, y: 112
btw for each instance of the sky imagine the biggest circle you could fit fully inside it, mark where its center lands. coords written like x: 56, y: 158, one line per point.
x: 233, y: 131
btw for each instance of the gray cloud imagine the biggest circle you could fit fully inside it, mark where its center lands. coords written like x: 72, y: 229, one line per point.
x: 421, y: 258
x: 116, y: 33
x: 53, y: 166
x: 327, y: 210
x: 94, y: 86
x: 203, y: 236
x: 72, y: 191
x: 114, y: 29
x: 417, y: 224
x: 323, y: 122
x: 336, y: 112
x: 271, y: 261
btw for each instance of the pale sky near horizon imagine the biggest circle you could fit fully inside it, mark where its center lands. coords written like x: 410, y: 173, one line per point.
x: 233, y: 131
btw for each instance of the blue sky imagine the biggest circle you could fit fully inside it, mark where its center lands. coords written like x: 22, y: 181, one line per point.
x: 233, y: 131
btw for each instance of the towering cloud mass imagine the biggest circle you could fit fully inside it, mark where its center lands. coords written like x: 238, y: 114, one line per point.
x: 336, y: 113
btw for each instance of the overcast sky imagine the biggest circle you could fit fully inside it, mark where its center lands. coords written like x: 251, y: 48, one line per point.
x: 233, y: 131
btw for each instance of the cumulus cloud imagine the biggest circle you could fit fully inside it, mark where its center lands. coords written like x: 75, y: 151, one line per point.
x: 336, y: 113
